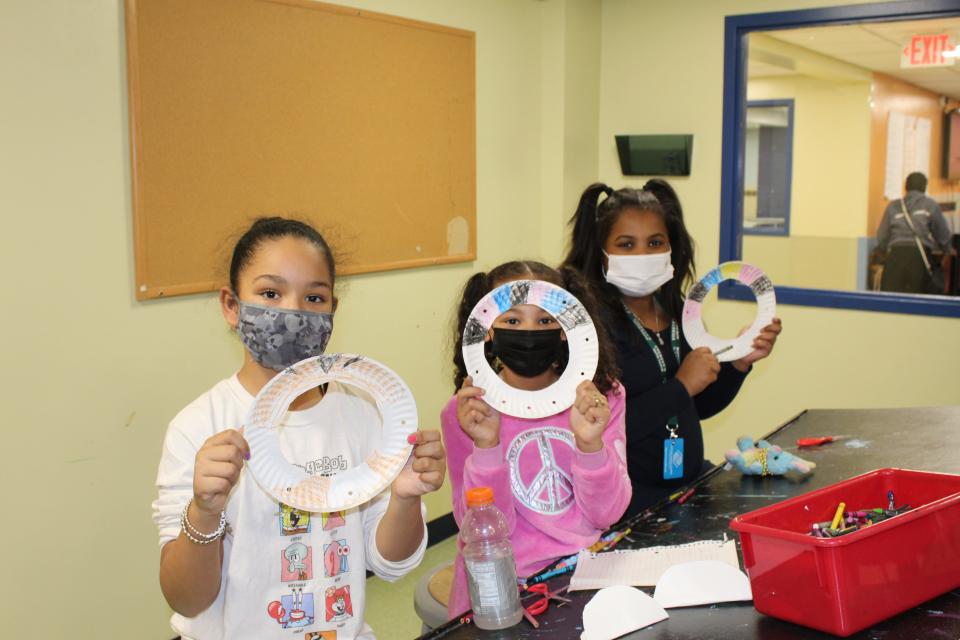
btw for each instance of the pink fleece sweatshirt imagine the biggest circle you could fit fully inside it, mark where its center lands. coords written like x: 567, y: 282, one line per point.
x: 556, y: 498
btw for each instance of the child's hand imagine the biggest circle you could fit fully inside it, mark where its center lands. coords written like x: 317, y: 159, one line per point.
x: 426, y: 468
x: 762, y: 345
x: 478, y: 420
x: 699, y: 370
x: 217, y: 469
x: 589, y: 416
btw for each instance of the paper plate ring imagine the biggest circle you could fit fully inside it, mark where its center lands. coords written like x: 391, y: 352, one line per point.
x: 348, y: 488
x: 731, y: 349
x: 582, y: 344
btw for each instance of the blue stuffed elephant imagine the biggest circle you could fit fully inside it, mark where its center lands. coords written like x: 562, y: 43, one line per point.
x: 764, y: 459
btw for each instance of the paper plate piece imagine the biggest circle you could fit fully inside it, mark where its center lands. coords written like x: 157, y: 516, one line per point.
x: 617, y: 611
x: 291, y: 485
x: 728, y: 350
x: 702, y: 582
x: 581, y: 342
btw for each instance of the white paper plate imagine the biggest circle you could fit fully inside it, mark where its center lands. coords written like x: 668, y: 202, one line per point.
x: 731, y: 349
x: 291, y: 485
x: 581, y: 341
x: 701, y: 582
x: 617, y: 611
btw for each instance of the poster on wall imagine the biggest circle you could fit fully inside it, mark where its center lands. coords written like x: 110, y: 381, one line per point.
x: 908, y: 150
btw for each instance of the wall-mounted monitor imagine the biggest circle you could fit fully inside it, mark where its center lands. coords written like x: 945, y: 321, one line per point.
x: 655, y: 155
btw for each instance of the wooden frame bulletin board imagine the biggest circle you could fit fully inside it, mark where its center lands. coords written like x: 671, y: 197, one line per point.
x: 361, y: 123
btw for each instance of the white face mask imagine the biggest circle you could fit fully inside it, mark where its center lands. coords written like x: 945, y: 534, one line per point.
x: 640, y: 275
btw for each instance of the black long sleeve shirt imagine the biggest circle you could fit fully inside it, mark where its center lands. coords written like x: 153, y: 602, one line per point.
x: 650, y: 404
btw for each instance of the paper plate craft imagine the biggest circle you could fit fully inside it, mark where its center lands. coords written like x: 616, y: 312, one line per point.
x: 581, y: 342
x: 701, y: 582
x: 728, y: 350
x: 317, y: 493
x: 617, y: 611
x: 765, y: 459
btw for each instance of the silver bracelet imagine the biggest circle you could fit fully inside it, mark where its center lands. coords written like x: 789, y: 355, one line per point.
x: 197, y: 537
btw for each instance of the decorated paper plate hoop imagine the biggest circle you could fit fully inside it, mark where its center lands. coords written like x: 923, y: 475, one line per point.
x: 731, y: 349
x: 316, y: 493
x: 581, y: 342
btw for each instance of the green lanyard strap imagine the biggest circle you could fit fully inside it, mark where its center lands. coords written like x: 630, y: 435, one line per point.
x: 674, y: 344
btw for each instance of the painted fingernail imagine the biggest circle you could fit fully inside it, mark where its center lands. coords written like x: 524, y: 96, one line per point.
x: 412, y: 438
x: 246, y: 456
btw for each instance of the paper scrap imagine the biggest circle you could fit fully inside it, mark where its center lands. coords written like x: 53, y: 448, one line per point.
x: 693, y: 584
x: 644, y: 567
x: 617, y: 611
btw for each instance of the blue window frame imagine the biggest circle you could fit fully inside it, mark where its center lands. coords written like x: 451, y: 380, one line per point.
x: 736, y: 29
x: 783, y: 230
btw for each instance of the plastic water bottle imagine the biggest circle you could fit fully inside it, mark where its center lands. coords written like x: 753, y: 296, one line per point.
x: 488, y: 556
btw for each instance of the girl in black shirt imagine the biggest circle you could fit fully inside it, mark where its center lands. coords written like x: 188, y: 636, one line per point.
x: 634, y: 248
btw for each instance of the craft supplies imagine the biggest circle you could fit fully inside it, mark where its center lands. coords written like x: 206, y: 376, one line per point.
x: 342, y: 488
x: 818, y: 440
x: 581, y: 342
x: 727, y: 350
x: 847, y: 583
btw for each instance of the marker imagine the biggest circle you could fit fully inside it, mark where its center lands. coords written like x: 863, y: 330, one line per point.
x: 838, y: 517
x: 617, y: 538
x: 686, y: 496
x: 724, y: 350
x: 818, y: 440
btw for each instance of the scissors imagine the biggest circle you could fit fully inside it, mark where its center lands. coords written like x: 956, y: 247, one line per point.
x: 541, y: 605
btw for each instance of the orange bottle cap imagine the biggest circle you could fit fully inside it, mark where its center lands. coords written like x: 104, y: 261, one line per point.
x: 479, y: 496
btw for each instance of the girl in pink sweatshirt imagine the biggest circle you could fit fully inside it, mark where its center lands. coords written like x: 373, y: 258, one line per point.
x: 560, y: 480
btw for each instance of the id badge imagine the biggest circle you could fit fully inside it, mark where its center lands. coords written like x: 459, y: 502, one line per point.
x: 672, y: 458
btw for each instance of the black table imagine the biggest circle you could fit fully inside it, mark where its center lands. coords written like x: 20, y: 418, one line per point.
x: 922, y: 439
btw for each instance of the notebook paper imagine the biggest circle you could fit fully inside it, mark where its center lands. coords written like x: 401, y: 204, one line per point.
x: 643, y: 567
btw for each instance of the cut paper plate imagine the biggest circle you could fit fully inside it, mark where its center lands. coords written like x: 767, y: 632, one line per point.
x: 691, y: 584
x: 728, y: 350
x: 617, y: 611
x: 316, y: 493
x: 581, y: 342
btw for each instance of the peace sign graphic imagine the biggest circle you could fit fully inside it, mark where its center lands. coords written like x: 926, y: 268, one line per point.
x: 551, y: 490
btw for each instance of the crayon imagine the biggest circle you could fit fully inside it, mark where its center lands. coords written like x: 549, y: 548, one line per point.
x: 838, y: 517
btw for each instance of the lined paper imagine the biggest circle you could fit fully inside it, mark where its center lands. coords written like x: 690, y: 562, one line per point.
x: 643, y: 567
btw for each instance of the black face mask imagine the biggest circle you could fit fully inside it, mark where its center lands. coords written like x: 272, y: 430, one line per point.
x: 527, y: 353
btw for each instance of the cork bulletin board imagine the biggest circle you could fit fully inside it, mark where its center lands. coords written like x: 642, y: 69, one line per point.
x: 355, y: 121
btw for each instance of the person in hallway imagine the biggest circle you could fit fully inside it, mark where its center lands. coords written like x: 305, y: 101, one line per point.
x: 914, y: 236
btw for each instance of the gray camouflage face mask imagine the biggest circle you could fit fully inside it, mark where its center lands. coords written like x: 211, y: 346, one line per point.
x: 279, y: 338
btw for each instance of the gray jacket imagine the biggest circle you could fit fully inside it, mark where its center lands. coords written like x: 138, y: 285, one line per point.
x: 927, y: 218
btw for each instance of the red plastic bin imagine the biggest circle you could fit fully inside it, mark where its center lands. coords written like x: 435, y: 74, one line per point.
x: 845, y: 584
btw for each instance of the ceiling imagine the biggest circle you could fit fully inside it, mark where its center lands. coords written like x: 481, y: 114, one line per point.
x: 875, y: 46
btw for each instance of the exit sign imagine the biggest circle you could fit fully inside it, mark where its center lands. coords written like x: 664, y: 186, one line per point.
x: 927, y: 51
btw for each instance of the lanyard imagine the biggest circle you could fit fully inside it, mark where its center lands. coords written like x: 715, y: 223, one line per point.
x: 674, y: 344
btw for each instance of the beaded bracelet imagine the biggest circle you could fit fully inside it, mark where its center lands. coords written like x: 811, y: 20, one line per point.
x: 196, y: 536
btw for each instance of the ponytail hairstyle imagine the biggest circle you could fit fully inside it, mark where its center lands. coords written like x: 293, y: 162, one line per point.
x: 480, y: 284
x: 592, y: 223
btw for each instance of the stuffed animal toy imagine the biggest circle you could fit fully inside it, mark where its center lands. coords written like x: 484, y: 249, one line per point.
x: 764, y: 459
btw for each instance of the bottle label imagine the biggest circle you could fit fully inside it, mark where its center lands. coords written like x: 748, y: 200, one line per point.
x: 493, y: 585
